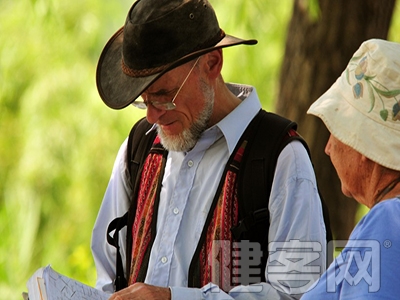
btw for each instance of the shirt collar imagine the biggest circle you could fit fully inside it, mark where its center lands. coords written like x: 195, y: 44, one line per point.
x: 234, y: 124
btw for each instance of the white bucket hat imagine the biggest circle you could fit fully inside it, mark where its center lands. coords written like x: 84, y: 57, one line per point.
x: 362, y: 108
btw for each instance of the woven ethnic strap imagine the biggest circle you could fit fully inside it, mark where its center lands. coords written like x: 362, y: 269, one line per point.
x: 225, y: 216
x: 142, y: 226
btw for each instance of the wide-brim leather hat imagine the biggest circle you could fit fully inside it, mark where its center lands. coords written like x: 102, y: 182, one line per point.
x: 158, y: 35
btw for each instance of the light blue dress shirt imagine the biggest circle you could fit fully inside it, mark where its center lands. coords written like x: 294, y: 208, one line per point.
x: 188, y: 188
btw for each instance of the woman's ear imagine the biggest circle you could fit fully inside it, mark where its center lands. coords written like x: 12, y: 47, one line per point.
x: 214, y: 62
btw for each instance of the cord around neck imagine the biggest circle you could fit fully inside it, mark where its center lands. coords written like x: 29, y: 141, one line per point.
x: 386, y: 190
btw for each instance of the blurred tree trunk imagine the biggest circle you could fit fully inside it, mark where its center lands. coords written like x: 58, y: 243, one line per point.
x: 318, y: 48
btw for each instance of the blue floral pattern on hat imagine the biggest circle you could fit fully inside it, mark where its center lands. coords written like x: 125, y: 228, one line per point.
x: 374, y: 87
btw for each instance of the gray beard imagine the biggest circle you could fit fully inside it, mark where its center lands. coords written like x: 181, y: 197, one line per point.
x: 188, y: 138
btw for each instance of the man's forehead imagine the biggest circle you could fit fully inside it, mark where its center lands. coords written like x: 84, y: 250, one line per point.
x: 167, y: 83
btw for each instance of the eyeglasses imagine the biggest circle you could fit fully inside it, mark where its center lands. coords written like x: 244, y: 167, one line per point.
x: 163, y: 105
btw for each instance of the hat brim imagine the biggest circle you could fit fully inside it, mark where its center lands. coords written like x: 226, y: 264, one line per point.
x: 355, y: 128
x: 118, y: 90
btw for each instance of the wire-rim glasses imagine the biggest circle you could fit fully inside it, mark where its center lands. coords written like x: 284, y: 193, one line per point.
x: 163, y: 105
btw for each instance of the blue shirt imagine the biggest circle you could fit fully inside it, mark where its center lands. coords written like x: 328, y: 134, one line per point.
x: 369, y: 265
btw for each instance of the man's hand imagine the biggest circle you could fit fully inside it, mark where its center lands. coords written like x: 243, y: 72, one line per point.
x: 142, y: 291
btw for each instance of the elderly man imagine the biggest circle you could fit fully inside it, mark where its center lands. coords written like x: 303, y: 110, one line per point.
x: 362, y: 112
x: 215, y: 174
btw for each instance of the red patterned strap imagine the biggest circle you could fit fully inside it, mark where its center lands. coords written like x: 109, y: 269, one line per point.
x: 225, y: 216
x: 142, y: 226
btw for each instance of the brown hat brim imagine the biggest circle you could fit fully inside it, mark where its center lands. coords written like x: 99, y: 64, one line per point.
x: 118, y: 90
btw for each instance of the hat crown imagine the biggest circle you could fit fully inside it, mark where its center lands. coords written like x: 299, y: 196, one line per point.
x: 373, y: 75
x: 159, y: 32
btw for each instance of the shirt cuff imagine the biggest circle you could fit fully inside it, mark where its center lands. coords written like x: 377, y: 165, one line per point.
x: 185, y: 293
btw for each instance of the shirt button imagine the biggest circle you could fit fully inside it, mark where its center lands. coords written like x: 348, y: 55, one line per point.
x: 164, y: 259
x: 176, y: 211
x: 190, y: 163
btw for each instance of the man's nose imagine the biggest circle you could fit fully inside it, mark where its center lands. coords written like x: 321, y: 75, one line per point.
x: 153, y: 113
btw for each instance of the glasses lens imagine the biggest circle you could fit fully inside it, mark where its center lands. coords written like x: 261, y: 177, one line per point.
x: 164, y: 105
x: 139, y: 104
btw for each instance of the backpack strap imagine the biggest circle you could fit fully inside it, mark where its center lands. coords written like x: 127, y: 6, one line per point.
x: 268, y: 135
x: 113, y: 239
x: 139, y: 143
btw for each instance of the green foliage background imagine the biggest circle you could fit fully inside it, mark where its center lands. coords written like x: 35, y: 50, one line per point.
x: 58, y: 140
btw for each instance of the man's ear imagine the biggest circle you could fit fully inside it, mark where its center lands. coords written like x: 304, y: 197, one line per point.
x: 214, y: 61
